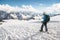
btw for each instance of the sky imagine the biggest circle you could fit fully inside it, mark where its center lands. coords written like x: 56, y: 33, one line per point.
x: 34, y: 3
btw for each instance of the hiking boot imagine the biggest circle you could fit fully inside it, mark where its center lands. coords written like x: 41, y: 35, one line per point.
x: 41, y: 31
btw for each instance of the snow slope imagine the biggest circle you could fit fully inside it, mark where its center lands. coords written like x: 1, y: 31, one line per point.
x: 55, y: 18
x: 28, y: 30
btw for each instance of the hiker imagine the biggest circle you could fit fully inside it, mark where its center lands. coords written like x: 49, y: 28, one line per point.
x: 46, y: 19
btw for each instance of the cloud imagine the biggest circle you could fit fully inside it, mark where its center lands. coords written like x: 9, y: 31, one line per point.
x: 9, y: 8
x: 55, y: 8
x: 28, y: 7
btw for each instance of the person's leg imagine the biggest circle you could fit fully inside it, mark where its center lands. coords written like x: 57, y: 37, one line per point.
x: 46, y: 27
x: 42, y: 27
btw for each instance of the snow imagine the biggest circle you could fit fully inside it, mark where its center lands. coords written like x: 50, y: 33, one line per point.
x: 29, y: 30
x: 55, y: 18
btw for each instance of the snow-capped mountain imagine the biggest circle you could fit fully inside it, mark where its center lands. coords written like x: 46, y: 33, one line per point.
x: 16, y: 15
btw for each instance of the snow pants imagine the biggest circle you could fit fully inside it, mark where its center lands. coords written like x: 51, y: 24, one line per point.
x: 44, y: 24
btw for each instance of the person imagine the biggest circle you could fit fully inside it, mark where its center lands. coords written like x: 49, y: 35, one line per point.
x: 46, y: 19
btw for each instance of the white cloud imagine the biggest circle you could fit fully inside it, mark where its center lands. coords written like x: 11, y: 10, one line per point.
x: 28, y: 8
x: 55, y: 8
x: 9, y: 8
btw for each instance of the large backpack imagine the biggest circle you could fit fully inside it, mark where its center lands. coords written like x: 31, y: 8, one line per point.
x: 47, y: 18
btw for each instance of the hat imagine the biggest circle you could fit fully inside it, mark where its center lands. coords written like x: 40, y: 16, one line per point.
x: 44, y: 13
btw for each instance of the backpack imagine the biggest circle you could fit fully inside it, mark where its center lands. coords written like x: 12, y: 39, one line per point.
x: 47, y: 18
